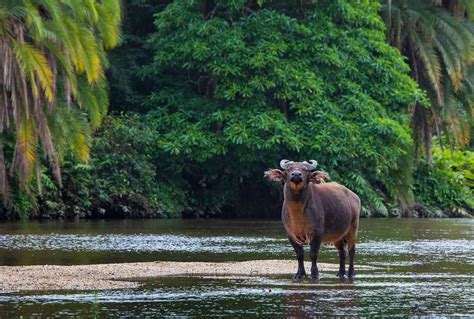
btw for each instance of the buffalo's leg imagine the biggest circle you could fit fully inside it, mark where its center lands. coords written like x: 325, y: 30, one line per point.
x: 352, y: 250
x: 342, y: 258
x: 314, y: 251
x: 300, y: 273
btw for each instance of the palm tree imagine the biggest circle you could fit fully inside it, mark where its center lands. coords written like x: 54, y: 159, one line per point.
x: 52, y: 85
x: 459, y: 111
x: 438, y: 40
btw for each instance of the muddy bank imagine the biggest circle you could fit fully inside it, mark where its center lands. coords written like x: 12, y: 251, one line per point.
x: 117, y: 276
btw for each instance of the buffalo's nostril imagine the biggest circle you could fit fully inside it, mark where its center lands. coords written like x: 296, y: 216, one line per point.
x: 296, y: 174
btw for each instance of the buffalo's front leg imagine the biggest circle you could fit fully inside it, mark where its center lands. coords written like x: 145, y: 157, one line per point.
x: 300, y: 273
x: 314, y: 251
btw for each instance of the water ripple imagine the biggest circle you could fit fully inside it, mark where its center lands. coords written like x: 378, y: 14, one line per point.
x: 429, y: 250
x: 143, y: 243
x: 454, y: 249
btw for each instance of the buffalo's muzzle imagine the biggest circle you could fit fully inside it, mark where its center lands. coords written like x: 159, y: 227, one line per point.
x: 296, y: 177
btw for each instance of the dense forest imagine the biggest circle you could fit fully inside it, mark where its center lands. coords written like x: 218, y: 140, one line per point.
x: 176, y: 108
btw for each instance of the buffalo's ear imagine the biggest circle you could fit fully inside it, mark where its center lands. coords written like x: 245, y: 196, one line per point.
x: 275, y: 175
x: 318, y: 177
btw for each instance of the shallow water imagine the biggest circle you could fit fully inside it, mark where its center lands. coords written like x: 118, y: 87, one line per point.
x: 419, y: 267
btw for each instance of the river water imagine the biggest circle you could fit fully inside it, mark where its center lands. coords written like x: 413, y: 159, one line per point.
x: 417, y: 267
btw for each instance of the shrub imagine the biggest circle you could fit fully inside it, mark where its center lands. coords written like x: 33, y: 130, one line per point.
x: 449, y: 184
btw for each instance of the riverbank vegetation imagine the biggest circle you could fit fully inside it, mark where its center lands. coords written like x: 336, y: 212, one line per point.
x: 206, y: 95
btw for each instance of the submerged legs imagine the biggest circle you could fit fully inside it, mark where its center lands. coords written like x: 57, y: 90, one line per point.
x: 314, y: 251
x: 340, y: 245
x: 300, y: 273
x: 352, y: 250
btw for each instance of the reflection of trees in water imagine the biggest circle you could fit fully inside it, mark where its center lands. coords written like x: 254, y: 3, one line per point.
x: 321, y: 299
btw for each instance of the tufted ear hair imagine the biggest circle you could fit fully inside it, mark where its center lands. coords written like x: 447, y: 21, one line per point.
x: 275, y: 175
x: 318, y: 177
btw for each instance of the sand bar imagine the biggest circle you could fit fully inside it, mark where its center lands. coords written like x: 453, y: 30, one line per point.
x: 119, y: 276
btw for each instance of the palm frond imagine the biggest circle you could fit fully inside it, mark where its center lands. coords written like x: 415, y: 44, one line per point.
x: 431, y: 63
x: 25, y: 153
x: 451, y: 61
x: 442, y: 36
x: 71, y: 132
x: 52, y: 53
x: 33, y: 20
x: 110, y: 19
x: 33, y: 63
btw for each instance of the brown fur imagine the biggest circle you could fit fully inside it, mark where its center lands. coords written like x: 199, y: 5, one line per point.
x: 330, y: 209
x: 315, y: 211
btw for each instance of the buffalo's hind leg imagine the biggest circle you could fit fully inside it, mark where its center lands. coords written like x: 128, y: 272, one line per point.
x: 351, y: 273
x: 300, y: 273
x: 340, y: 246
x: 314, y: 251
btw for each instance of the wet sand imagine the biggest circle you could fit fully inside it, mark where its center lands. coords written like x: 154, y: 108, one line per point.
x: 119, y: 276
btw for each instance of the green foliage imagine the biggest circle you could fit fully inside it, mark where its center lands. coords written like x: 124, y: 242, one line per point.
x: 21, y: 205
x: 124, y: 165
x: 218, y: 91
x: 53, y: 87
x: 449, y: 184
x: 248, y: 86
x: 437, y: 38
x: 120, y: 180
x: 123, y: 75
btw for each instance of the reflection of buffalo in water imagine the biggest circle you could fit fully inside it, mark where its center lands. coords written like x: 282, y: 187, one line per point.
x: 315, y: 212
x: 322, y: 301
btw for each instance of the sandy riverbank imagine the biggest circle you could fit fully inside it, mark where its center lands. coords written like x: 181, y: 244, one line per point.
x: 117, y: 276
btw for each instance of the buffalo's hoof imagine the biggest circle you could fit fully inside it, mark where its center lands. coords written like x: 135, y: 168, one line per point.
x: 314, y: 273
x: 341, y: 274
x: 299, y: 275
x: 315, y: 276
x: 351, y: 274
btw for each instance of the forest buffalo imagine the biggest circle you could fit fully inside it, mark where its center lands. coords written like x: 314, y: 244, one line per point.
x: 316, y: 212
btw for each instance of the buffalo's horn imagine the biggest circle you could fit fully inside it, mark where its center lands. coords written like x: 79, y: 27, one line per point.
x: 311, y: 165
x: 284, y: 163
